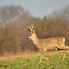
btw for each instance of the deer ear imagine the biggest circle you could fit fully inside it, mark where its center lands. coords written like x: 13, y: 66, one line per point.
x: 33, y: 31
x: 29, y: 30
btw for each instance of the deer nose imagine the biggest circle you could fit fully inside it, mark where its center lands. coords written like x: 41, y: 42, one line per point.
x: 27, y: 38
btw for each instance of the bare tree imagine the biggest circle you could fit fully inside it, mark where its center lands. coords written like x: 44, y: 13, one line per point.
x: 13, y: 14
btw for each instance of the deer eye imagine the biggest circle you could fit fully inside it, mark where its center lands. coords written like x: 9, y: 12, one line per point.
x: 30, y: 35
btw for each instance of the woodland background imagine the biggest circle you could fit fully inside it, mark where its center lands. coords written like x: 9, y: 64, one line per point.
x: 13, y: 28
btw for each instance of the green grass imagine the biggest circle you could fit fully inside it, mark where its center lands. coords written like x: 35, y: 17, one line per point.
x: 32, y: 62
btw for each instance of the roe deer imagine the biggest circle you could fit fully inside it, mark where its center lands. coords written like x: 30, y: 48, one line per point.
x: 43, y: 45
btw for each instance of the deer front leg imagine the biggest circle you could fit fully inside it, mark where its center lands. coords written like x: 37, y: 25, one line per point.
x: 46, y: 58
x: 42, y: 54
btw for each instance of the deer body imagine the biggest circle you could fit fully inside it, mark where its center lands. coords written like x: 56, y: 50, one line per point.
x: 43, y: 45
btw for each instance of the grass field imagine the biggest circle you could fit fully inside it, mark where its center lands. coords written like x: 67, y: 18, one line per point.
x: 31, y: 61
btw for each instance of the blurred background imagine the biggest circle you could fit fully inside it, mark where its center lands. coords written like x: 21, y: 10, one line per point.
x: 50, y: 18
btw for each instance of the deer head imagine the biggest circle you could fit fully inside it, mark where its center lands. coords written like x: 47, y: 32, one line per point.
x: 32, y: 32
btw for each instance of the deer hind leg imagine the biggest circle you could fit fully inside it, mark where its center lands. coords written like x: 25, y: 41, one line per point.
x: 63, y: 54
x: 63, y: 51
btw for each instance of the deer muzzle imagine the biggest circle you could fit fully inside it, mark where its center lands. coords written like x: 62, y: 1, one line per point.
x: 27, y: 38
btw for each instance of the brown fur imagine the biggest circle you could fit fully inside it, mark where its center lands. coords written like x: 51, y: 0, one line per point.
x: 47, y: 44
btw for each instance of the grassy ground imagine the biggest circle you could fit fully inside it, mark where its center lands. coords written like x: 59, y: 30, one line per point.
x: 31, y: 61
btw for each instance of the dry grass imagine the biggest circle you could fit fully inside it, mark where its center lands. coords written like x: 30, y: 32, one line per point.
x: 32, y: 54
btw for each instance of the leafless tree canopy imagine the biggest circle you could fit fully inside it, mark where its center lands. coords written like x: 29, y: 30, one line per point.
x: 13, y: 14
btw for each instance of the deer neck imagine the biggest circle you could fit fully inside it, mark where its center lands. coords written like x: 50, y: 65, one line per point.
x: 35, y: 40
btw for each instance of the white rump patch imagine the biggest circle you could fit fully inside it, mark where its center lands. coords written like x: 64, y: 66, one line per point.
x: 63, y: 39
